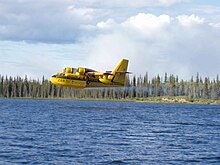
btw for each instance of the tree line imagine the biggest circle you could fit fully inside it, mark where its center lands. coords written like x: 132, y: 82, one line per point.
x: 136, y: 87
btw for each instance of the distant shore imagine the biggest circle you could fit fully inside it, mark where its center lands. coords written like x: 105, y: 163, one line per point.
x: 180, y: 100
x: 174, y: 100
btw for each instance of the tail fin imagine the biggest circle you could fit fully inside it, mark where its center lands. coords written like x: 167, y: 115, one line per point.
x: 119, y: 73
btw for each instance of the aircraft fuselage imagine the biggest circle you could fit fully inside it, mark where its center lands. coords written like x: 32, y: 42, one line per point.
x: 76, y: 83
x: 84, y: 77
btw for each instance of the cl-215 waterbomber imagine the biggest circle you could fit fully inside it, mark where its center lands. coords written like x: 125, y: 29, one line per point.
x: 85, y: 77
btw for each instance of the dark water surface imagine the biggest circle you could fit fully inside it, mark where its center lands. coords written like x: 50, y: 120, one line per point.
x: 90, y: 132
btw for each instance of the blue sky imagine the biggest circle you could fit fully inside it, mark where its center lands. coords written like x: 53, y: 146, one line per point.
x: 175, y: 36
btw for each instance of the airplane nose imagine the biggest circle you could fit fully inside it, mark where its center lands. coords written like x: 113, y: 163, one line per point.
x: 52, y: 79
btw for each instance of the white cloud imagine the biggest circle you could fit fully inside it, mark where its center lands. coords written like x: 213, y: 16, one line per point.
x: 215, y: 25
x: 107, y: 24
x: 55, y: 21
x: 155, y: 44
x: 81, y: 13
x: 100, y: 33
x: 168, y: 47
x: 146, y: 22
x: 143, y: 20
x: 186, y: 20
x: 50, y: 21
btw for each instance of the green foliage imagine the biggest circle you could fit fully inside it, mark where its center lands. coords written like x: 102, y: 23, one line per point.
x: 136, y: 88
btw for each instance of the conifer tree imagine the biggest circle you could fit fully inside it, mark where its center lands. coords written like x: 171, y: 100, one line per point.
x: 205, y: 93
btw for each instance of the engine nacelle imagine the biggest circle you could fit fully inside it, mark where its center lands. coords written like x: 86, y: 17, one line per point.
x: 68, y: 70
x: 81, y: 71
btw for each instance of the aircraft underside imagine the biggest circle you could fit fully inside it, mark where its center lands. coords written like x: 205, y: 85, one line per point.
x: 76, y: 83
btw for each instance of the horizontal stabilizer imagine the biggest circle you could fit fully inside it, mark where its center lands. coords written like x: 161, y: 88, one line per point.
x: 106, y: 73
x: 123, y: 72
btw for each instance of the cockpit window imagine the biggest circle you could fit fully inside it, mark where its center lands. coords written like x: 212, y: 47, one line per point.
x: 74, y: 70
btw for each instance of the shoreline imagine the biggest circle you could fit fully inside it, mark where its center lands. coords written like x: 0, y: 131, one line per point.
x: 178, y: 100
x: 171, y: 100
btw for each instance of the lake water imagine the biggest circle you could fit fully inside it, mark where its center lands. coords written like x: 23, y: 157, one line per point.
x: 94, y: 132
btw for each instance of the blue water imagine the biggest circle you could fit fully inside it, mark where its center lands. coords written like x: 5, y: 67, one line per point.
x: 92, y: 132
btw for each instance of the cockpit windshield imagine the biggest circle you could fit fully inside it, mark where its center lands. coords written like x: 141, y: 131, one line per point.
x: 70, y: 70
x: 74, y: 70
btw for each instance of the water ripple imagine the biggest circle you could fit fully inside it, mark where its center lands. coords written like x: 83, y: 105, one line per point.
x: 90, y: 132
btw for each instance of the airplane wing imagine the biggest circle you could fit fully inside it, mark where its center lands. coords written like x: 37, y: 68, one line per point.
x: 98, y: 73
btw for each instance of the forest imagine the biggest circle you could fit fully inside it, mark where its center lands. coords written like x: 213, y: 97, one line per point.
x: 137, y: 87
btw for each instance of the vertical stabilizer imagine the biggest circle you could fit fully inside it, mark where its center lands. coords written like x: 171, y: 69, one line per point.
x: 119, y: 73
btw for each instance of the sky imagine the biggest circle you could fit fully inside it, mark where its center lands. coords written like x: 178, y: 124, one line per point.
x: 180, y: 37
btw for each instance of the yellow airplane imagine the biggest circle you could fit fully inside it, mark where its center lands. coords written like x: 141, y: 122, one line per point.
x: 84, y: 77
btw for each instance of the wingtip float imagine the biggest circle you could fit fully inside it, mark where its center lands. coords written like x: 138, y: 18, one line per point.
x: 86, y: 78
